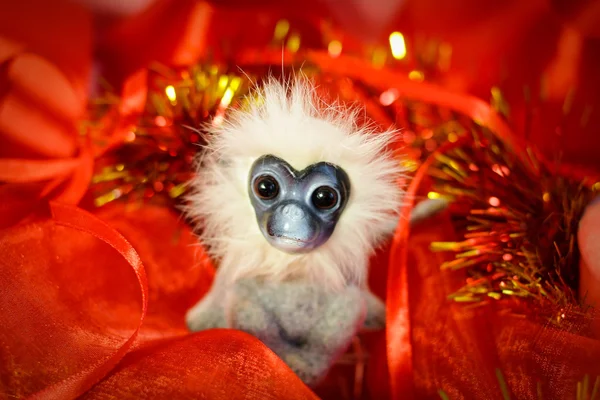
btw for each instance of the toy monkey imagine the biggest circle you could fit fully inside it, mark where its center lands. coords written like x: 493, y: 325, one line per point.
x: 292, y: 196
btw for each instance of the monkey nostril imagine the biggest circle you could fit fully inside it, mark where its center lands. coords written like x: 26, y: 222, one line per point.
x: 270, y: 228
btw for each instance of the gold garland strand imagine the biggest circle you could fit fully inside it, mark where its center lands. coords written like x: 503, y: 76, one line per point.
x: 518, y: 220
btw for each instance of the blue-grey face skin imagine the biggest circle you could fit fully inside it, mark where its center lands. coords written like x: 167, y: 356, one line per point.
x: 297, y: 211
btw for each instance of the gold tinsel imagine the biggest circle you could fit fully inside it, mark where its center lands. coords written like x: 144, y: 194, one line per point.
x: 156, y: 156
x: 518, y: 220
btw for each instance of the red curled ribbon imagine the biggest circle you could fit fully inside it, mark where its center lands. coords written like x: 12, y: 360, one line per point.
x: 56, y: 306
x: 76, y: 218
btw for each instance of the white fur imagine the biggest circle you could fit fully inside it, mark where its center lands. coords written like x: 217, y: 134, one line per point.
x: 289, y: 121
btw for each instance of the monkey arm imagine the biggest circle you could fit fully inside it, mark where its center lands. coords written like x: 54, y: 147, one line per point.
x: 375, y: 317
x: 209, y: 313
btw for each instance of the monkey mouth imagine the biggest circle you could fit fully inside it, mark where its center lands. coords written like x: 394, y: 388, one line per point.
x: 293, y: 240
x: 290, y: 244
x: 280, y: 236
x: 300, y: 239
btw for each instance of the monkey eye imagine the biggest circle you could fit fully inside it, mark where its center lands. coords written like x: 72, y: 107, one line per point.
x: 266, y: 187
x: 324, y: 198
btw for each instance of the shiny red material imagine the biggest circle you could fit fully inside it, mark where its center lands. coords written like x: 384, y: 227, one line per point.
x: 92, y: 303
x: 67, y: 318
x: 215, y: 364
x: 460, y: 349
x: 44, y: 74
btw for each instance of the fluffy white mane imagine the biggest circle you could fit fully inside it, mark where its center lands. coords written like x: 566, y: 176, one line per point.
x: 288, y: 120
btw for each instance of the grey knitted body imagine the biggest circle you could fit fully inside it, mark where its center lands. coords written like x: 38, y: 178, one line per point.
x: 307, y: 327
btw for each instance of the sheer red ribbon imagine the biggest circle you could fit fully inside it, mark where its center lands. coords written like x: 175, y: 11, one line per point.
x: 44, y: 301
x: 79, y: 317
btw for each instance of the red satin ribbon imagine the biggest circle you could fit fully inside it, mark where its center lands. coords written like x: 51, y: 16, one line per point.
x: 74, y: 174
x: 355, y: 68
x: 214, y: 364
x: 78, y: 219
x: 78, y: 183
x: 15, y: 170
x: 398, y: 326
x: 180, y: 40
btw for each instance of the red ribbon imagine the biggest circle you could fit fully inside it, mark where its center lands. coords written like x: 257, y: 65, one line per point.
x: 24, y: 270
x: 76, y: 218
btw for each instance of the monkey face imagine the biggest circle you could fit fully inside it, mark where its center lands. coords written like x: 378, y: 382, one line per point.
x: 297, y: 211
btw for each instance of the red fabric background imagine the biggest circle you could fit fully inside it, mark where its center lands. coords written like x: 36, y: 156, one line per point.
x: 92, y: 302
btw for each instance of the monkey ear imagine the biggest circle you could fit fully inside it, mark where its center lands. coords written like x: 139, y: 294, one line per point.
x: 589, y: 247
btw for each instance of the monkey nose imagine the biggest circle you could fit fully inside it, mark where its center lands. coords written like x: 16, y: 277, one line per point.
x: 291, y: 222
x: 293, y: 212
